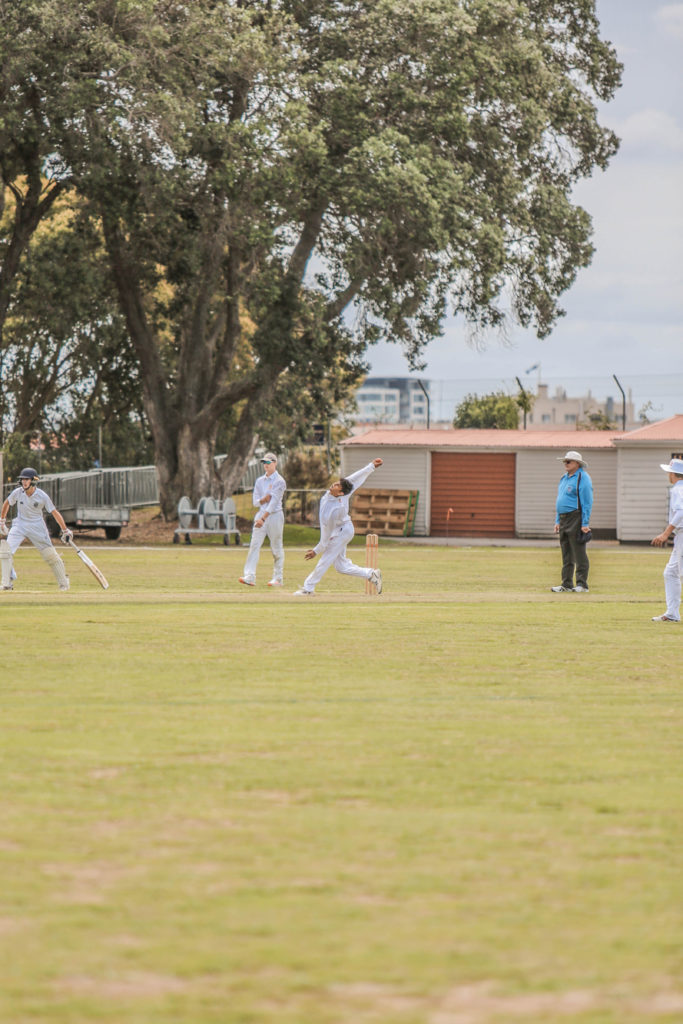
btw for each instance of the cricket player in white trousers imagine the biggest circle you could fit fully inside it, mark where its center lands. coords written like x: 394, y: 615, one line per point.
x: 336, y: 531
x: 269, y: 491
x: 673, y: 573
x: 29, y: 524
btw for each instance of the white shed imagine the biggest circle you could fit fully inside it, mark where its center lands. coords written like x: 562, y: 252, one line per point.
x: 642, y: 487
x: 487, y: 483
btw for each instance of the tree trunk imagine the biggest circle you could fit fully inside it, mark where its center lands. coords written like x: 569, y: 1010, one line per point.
x: 196, y: 476
x: 168, y: 493
x: 246, y: 435
x: 235, y: 466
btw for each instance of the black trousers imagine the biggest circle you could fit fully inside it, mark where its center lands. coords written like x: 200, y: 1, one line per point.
x: 574, y: 555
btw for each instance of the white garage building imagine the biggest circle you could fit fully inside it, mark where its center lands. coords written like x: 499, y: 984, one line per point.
x: 503, y: 483
x: 642, y: 487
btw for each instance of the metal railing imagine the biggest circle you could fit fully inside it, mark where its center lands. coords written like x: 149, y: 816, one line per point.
x: 134, y: 487
x: 254, y: 469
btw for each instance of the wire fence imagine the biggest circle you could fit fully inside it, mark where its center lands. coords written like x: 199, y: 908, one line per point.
x: 302, y: 505
x: 654, y: 396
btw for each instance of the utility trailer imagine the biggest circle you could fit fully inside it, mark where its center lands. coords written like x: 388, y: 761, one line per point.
x: 100, y: 499
x: 110, y: 518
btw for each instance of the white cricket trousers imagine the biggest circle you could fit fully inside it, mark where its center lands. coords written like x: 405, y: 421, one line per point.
x: 272, y: 529
x: 672, y: 579
x: 335, y: 554
x: 35, y: 532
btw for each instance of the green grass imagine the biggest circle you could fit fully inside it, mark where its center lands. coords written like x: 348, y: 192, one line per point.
x: 458, y: 803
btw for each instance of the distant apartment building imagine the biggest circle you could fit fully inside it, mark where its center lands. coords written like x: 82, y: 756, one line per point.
x: 560, y: 412
x: 389, y: 400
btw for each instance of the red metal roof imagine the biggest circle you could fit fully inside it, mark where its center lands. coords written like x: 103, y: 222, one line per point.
x: 378, y: 437
x: 670, y: 429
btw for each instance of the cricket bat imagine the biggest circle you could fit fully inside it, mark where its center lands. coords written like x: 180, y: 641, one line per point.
x: 99, y: 576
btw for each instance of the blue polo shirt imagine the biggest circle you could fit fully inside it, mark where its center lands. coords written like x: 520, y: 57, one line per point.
x: 567, y: 498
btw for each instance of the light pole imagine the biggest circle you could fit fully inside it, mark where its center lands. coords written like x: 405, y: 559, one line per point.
x: 525, y: 397
x: 623, y: 403
x: 424, y: 392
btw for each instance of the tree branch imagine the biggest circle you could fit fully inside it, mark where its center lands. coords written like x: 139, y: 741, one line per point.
x: 194, y: 366
x: 339, y: 303
x: 152, y: 370
x: 228, y: 323
x: 229, y: 394
x: 31, y: 208
x: 306, y: 244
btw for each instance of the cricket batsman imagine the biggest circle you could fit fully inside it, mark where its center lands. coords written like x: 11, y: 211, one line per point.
x: 29, y: 524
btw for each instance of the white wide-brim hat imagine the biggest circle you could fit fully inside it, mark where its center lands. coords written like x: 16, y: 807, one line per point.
x: 675, y: 466
x: 574, y: 456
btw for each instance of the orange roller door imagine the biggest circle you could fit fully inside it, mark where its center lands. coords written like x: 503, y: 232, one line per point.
x: 480, y: 489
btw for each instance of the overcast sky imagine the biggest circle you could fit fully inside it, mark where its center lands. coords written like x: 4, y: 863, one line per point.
x: 624, y: 313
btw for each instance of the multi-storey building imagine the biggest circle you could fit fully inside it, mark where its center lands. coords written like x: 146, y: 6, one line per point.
x: 392, y: 400
x: 560, y: 412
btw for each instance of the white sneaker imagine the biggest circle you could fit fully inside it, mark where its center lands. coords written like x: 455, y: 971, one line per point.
x: 376, y: 578
x: 664, y: 618
x: 561, y: 590
x: 65, y: 586
x: 303, y: 593
x: 274, y: 583
x: 580, y: 590
x: 247, y: 583
x: 10, y: 587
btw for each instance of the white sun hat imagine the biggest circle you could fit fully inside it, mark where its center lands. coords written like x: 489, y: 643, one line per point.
x: 675, y: 466
x: 574, y: 456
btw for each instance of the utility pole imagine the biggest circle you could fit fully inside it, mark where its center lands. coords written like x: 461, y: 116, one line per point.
x: 623, y: 403
x: 424, y: 392
x: 525, y: 397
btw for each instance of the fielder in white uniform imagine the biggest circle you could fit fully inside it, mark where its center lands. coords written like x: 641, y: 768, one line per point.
x: 673, y: 573
x: 29, y: 524
x: 336, y: 531
x: 269, y: 491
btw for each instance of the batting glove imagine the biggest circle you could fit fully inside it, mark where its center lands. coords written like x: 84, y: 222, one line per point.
x: 66, y: 536
x: 3, y: 528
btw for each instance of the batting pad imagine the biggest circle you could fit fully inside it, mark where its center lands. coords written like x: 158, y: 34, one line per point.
x: 5, y: 563
x: 56, y: 564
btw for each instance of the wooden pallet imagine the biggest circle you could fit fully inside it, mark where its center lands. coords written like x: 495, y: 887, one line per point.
x: 390, y: 513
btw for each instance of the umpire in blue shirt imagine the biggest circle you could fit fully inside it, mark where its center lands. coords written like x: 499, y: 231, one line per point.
x: 574, y: 506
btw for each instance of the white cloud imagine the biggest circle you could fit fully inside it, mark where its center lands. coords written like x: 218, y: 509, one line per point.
x: 637, y: 211
x: 624, y: 312
x: 650, y: 130
x: 670, y: 19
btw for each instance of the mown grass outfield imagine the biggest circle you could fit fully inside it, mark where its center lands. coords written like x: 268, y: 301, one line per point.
x: 457, y: 803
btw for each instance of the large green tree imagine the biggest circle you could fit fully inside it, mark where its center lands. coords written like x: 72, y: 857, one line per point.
x: 281, y: 183
x: 31, y: 82
x: 69, y: 381
x: 493, y: 411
